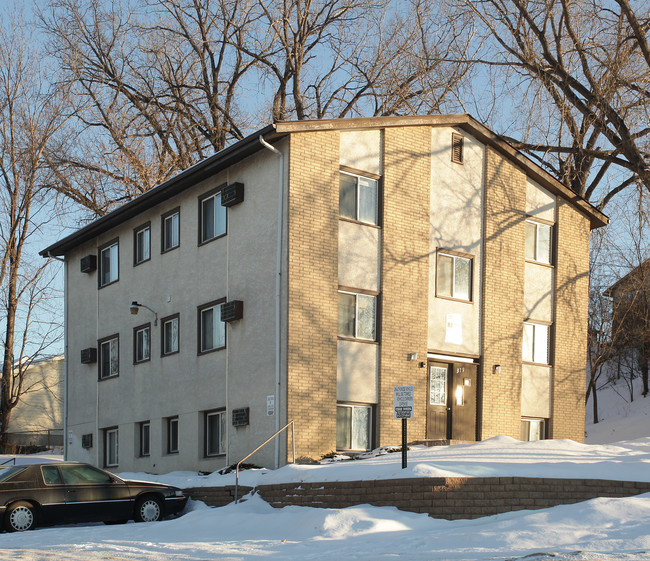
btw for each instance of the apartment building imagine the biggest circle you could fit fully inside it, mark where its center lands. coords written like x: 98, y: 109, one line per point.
x: 303, y: 272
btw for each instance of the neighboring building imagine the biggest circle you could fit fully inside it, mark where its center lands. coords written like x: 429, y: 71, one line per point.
x: 630, y: 335
x: 37, y: 420
x: 293, y: 281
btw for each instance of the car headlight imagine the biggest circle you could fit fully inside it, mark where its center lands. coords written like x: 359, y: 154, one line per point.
x: 178, y: 493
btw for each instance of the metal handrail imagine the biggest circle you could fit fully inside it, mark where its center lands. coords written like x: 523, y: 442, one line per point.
x: 7, y: 461
x: 293, y: 461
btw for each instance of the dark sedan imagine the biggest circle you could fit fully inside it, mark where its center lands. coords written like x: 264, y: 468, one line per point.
x: 64, y: 493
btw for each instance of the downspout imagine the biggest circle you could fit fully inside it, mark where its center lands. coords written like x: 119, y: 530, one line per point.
x: 278, y: 291
x: 65, y: 353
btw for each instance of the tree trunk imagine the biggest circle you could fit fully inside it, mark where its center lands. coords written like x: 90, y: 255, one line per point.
x: 594, y: 401
x: 8, y: 360
x: 645, y: 351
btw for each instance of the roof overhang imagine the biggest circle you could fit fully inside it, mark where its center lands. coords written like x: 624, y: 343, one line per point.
x: 251, y: 144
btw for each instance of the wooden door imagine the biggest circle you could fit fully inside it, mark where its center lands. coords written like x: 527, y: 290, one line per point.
x: 438, y: 411
x: 462, y: 399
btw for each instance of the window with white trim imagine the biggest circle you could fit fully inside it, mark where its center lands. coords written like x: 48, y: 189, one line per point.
x: 358, y: 198
x: 353, y: 427
x: 171, y: 230
x: 212, y: 217
x: 536, y: 343
x: 212, y: 331
x: 109, y: 357
x: 215, y: 433
x: 142, y: 343
x: 533, y: 429
x: 109, y: 263
x: 357, y: 316
x: 145, y: 438
x: 142, y: 244
x: 538, y: 241
x: 111, y: 441
x: 454, y: 276
x: 170, y: 335
x: 172, y: 435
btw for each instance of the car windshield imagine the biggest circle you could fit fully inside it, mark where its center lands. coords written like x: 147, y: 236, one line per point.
x: 7, y: 473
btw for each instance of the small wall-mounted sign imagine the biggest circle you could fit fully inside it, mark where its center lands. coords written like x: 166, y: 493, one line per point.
x: 240, y: 417
x: 270, y: 405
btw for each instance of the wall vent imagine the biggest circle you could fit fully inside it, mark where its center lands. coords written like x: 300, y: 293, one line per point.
x: 87, y: 440
x: 232, y: 311
x: 232, y: 194
x: 457, y: 148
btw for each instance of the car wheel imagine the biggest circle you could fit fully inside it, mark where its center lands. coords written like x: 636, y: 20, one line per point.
x: 20, y: 517
x: 148, y: 509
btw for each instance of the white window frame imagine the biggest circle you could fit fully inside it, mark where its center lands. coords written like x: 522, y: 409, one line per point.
x: 358, y: 189
x: 351, y: 436
x: 454, y: 290
x: 539, y: 336
x: 145, y: 439
x: 357, y: 332
x: 218, y: 328
x: 111, y: 447
x: 165, y: 322
x: 142, y: 244
x: 537, y: 257
x: 219, y: 227
x: 174, y: 218
x: 110, y: 345
x: 528, y: 426
x: 142, y: 344
x: 109, y: 269
x: 222, y: 433
x: 173, y: 428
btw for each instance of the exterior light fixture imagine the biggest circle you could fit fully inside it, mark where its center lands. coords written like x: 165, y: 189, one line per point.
x: 135, y: 308
x: 412, y: 356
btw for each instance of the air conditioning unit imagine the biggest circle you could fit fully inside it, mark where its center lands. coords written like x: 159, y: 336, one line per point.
x: 89, y: 355
x: 88, y: 263
x: 232, y: 194
x: 232, y: 311
x: 87, y: 440
x: 240, y: 417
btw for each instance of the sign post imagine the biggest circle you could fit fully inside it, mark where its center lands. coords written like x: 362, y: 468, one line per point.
x: 403, y: 403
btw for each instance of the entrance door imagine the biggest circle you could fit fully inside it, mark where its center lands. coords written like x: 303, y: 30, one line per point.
x: 451, y: 403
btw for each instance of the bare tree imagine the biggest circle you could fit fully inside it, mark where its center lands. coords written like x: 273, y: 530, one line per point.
x: 29, y: 117
x: 582, y: 71
x: 160, y: 84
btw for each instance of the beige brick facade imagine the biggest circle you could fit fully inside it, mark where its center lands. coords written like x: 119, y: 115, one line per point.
x: 404, y: 273
x: 503, y: 293
x: 313, y: 286
x: 571, y: 308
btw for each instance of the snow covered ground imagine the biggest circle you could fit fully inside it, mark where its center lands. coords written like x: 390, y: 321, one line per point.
x: 597, y: 530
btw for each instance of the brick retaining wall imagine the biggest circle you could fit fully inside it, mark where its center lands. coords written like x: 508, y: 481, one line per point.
x: 440, y: 497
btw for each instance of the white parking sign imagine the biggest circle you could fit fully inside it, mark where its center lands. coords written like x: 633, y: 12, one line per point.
x: 403, y: 401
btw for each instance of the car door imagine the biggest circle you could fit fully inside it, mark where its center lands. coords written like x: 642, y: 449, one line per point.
x: 52, y: 494
x: 94, y: 495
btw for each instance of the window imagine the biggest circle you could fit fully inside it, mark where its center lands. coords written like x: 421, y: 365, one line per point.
x: 110, y: 447
x: 353, y: 427
x: 215, y: 433
x: 51, y: 475
x: 457, y: 142
x: 172, y: 435
x: 83, y: 474
x: 212, y: 217
x: 108, y: 263
x: 212, y: 331
x: 437, y: 385
x: 357, y: 316
x: 142, y: 343
x: 170, y: 335
x: 171, y: 230
x: 536, y: 343
x: 109, y: 354
x: 538, y: 242
x: 533, y: 429
x: 142, y: 244
x: 145, y: 437
x: 454, y: 276
x: 358, y: 198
